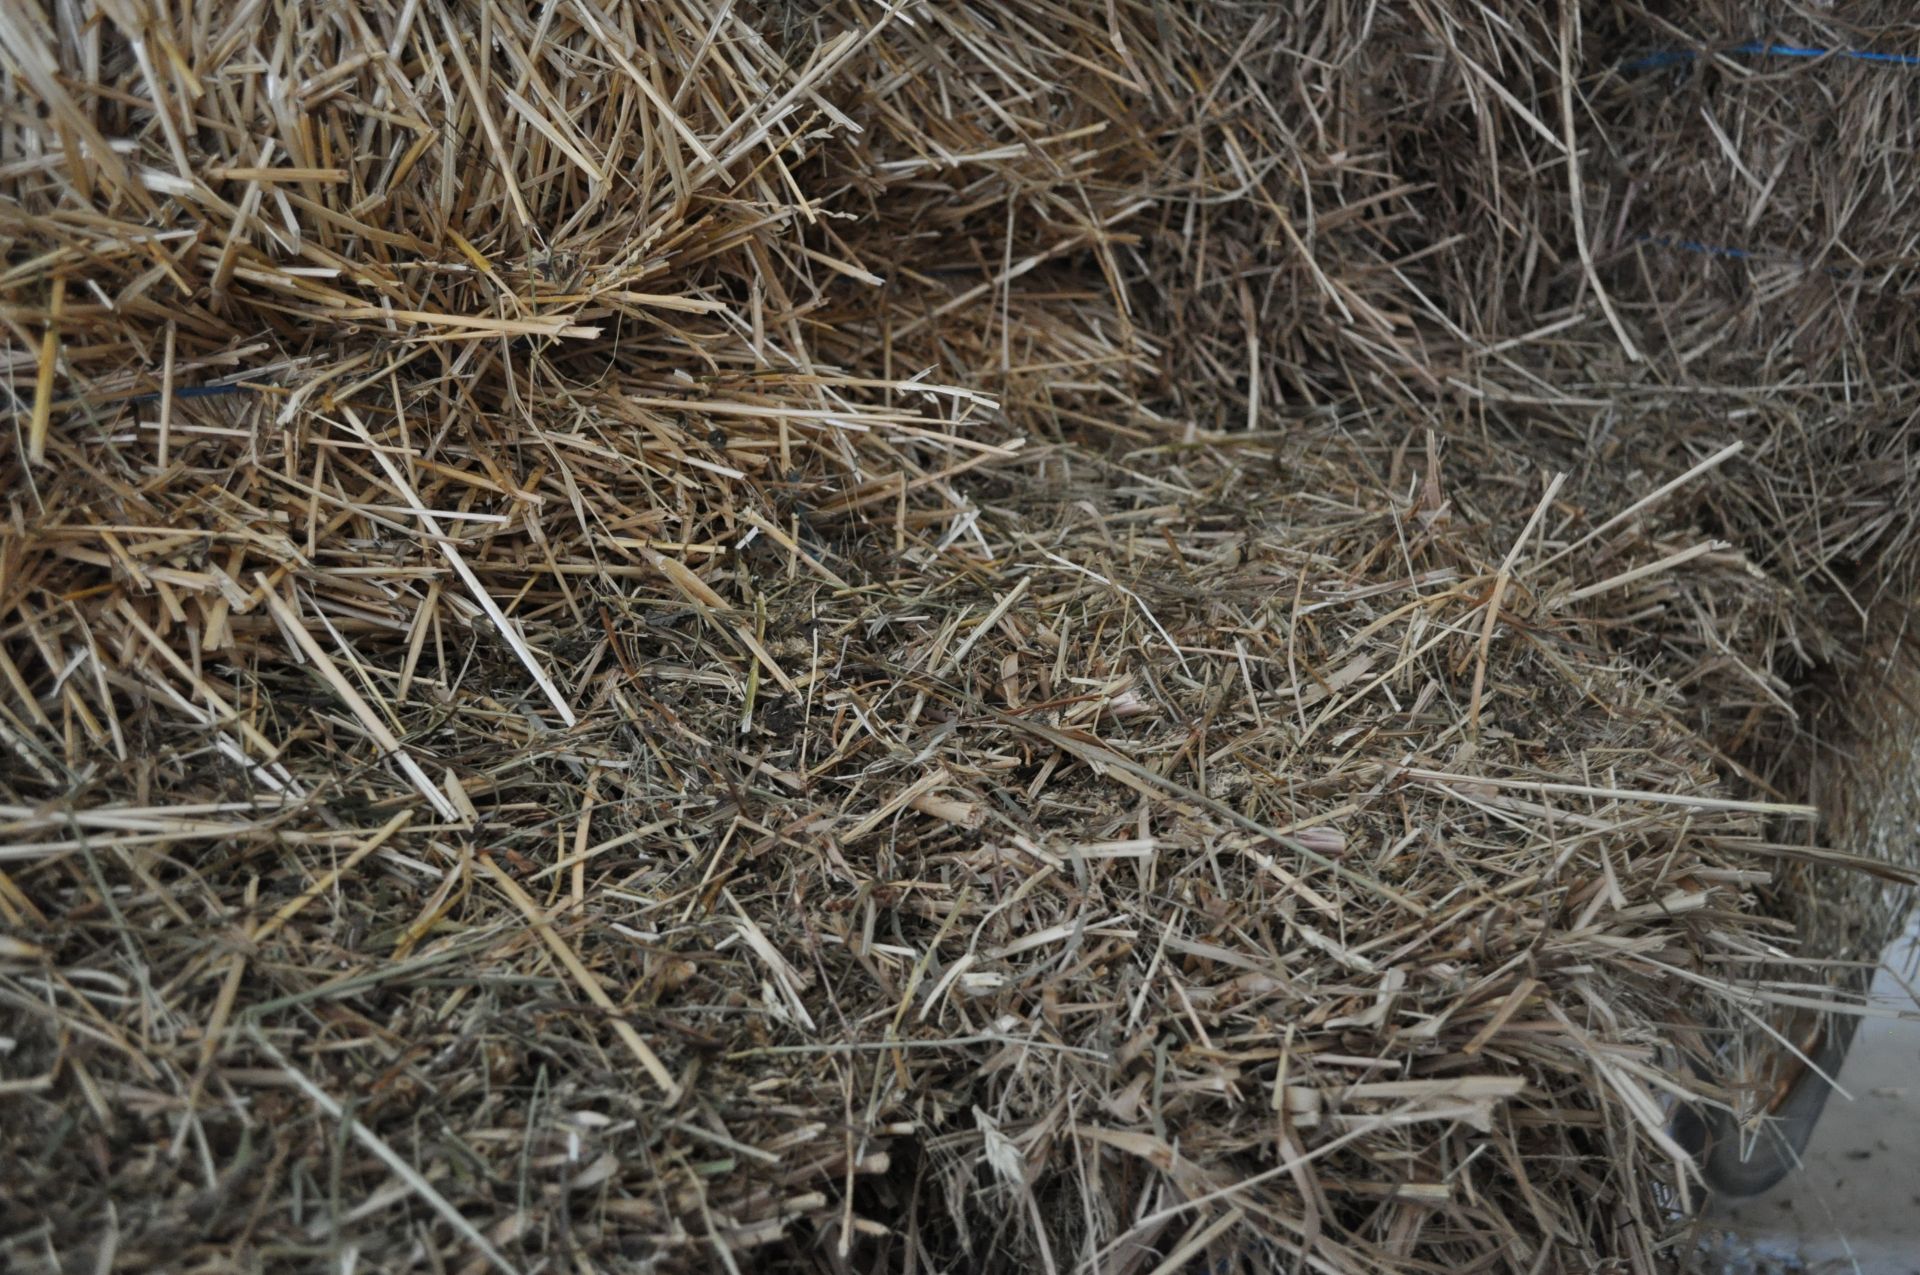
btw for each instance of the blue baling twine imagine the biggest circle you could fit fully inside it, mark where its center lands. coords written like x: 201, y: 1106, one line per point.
x: 20, y: 405
x: 1757, y: 48
x: 195, y: 391
x: 1766, y: 48
x: 1690, y: 245
x: 1727, y: 253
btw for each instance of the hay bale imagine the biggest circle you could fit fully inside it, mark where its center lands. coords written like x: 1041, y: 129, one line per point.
x: 927, y: 637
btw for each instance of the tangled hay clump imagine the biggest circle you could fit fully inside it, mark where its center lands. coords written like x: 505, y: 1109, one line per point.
x: 927, y: 637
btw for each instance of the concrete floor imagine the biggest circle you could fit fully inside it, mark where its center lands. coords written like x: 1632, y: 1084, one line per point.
x: 1855, y: 1206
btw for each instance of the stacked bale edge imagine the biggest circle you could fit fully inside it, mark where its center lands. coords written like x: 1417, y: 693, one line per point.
x: 932, y: 637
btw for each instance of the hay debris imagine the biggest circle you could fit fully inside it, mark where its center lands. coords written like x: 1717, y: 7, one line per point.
x: 926, y: 637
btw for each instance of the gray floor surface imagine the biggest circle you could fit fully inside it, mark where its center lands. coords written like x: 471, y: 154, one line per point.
x: 1855, y: 1206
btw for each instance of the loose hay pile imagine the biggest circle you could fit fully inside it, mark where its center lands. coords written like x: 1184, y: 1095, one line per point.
x: 928, y: 637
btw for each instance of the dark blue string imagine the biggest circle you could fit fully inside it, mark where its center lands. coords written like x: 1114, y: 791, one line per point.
x: 20, y: 406
x: 1691, y: 245
x: 1766, y: 48
x: 194, y: 391
x: 1741, y: 254
x: 1758, y: 48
